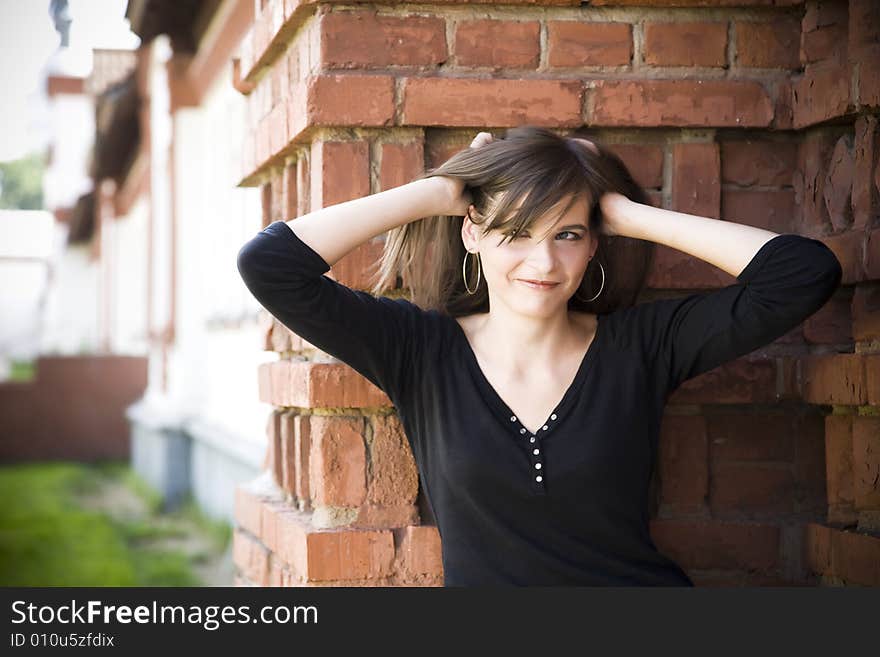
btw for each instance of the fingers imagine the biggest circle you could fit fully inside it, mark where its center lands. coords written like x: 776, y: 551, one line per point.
x: 588, y: 144
x: 481, y: 139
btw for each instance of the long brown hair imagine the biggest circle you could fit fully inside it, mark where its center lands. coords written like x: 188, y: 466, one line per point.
x: 541, y: 168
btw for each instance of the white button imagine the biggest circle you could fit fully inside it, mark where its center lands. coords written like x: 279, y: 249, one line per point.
x: 522, y: 430
x: 553, y: 417
x: 535, y: 451
x: 537, y: 466
x: 532, y: 439
x: 513, y: 418
x: 544, y: 427
x: 538, y: 478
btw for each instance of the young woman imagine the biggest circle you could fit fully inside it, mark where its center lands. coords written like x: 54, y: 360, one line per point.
x: 530, y: 385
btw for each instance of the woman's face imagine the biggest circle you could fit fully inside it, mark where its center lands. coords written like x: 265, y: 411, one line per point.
x: 558, y: 254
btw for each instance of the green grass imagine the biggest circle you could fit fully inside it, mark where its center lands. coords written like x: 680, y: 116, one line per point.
x: 22, y: 371
x: 49, y: 538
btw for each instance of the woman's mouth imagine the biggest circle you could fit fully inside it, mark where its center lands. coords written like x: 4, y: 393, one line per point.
x: 537, y: 285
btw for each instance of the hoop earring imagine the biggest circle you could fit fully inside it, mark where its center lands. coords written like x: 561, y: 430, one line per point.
x: 601, y: 287
x: 464, y: 275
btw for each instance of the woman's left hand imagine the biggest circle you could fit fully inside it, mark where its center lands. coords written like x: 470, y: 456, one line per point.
x: 613, y: 206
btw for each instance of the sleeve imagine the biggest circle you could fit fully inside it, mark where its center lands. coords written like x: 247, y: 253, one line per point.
x: 788, y: 279
x: 376, y: 336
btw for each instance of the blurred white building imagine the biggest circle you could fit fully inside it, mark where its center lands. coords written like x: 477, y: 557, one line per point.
x: 144, y: 179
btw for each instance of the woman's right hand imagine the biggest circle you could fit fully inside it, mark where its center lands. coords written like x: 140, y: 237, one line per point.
x: 458, y: 199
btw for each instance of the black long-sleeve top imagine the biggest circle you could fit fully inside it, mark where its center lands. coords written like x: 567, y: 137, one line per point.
x: 569, y: 504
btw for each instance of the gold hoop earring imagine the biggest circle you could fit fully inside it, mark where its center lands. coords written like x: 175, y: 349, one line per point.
x: 464, y: 275
x: 601, y: 287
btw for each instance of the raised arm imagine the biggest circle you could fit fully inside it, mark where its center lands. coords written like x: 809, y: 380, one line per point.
x: 781, y: 281
x: 283, y: 266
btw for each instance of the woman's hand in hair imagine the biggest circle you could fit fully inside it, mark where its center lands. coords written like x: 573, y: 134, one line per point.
x: 458, y: 199
x: 614, y: 207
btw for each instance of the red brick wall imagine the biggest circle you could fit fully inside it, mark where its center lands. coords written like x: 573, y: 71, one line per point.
x: 762, y: 112
x: 74, y: 409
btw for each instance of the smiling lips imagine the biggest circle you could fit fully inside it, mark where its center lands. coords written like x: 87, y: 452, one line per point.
x: 537, y: 285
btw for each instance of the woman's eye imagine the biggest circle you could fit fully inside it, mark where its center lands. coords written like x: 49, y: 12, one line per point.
x: 565, y: 232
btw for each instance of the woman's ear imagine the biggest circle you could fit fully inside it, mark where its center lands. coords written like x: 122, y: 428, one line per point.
x: 469, y: 229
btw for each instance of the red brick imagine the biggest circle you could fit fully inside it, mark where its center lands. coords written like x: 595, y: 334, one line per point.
x: 361, y: 39
x: 421, y: 550
x: 683, y: 461
x: 865, y: 193
x: 273, y: 435
x: 401, y: 163
x: 685, y: 44
x: 349, y: 554
x: 824, y: 29
x: 264, y: 141
x: 749, y: 162
x: 301, y: 450
x: 393, y: 477
x: 276, y: 572
x: 823, y: 93
x: 769, y: 43
x: 288, y: 457
x: 869, y: 78
x: 817, y: 548
x: 872, y: 375
x: 280, y: 80
x: 751, y: 488
x: 838, y: 185
x: 741, y: 381
x: 278, y: 137
x: 839, y: 467
x: 470, y: 102
x: 340, y: 172
x: 856, y: 557
x: 248, y: 510
x: 679, y: 103
x: 497, y: 43
x: 291, y: 207
x: 440, y: 145
x: 750, y: 437
x: 849, y: 247
x: 280, y: 340
x: 834, y: 379
x: 866, y: 312
x: 676, y: 270
x: 251, y: 558
x: 346, y: 100
x: 832, y: 323
x: 303, y: 185
x: 576, y: 43
x: 370, y: 516
x: 357, y: 268
x: 317, y: 385
x: 644, y: 161
x: 718, y: 545
x: 866, y: 462
x: 774, y: 210
x: 271, y: 511
x: 872, y: 250
x: 337, y: 461
x: 696, y: 179
x: 809, y: 182
x: 810, y: 469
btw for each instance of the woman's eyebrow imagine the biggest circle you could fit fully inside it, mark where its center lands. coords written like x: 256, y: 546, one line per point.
x: 573, y: 226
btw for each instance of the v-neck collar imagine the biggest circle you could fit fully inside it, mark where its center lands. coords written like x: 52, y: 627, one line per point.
x: 501, y: 409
